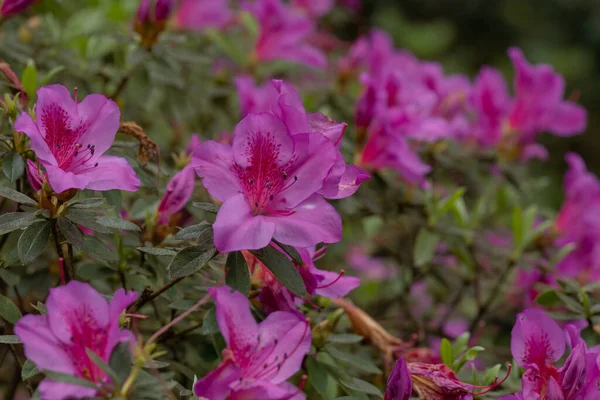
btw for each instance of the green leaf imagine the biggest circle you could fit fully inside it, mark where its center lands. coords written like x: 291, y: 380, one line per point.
x: 425, y: 246
x: 33, y: 241
x: 282, y: 268
x: 13, y: 166
x: 361, y: 386
x: 120, y: 361
x: 208, y: 207
x: 96, y: 248
x: 118, y: 223
x: 343, y: 338
x: 16, y: 196
x: 210, y: 325
x: 237, y: 275
x: 71, y: 231
x: 29, y: 79
x: 490, y: 375
x: 193, y: 231
x: 549, y: 298
x: 570, y: 303
x: 8, y: 310
x: 9, y: 277
x: 290, y: 251
x: 40, y: 307
x: 517, y: 228
x: 190, y: 260
x: 157, y: 251
x: 460, y: 345
x: 445, y: 205
x: 70, y: 379
x: 183, y: 392
x: 29, y: 370
x: 86, y: 219
x: 317, y: 374
x: 13, y: 221
x: 355, y: 361
x: 93, y: 202
x: 100, y: 363
x: 446, y: 352
x: 9, y: 339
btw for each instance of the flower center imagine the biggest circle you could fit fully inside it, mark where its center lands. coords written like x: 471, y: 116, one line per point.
x: 266, y: 176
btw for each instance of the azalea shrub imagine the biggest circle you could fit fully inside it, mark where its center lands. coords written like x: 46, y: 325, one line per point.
x: 220, y: 199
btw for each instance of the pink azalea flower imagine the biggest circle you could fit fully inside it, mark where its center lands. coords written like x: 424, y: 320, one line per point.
x: 537, y: 342
x: 255, y: 99
x: 539, y: 105
x: 369, y: 267
x: 274, y: 296
x: 70, y: 138
x: 179, y: 192
x: 284, y: 33
x: 78, y: 318
x: 153, y: 11
x: 204, y: 14
x: 314, y: 8
x: 13, y: 7
x: 259, y: 358
x: 273, y: 177
x: 399, y: 384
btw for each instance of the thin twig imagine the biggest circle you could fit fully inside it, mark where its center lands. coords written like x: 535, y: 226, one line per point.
x: 68, y: 271
x: 148, y: 296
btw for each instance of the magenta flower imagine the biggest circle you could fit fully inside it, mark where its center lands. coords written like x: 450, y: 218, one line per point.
x: 273, y: 177
x: 154, y: 11
x: 78, y: 318
x: 399, y: 384
x: 204, y: 14
x: 255, y: 99
x: 369, y: 267
x: 13, y: 7
x: 70, y: 139
x: 539, y: 105
x: 259, y: 358
x: 284, y: 33
x: 274, y: 296
x: 179, y: 192
x: 537, y: 342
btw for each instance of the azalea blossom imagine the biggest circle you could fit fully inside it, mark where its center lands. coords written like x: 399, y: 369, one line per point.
x: 13, y: 7
x: 275, y: 296
x: 70, y: 138
x: 537, y: 343
x: 259, y: 357
x: 179, y: 192
x: 204, y: 14
x: 283, y: 34
x: 79, y: 318
x: 273, y: 177
x: 35, y: 176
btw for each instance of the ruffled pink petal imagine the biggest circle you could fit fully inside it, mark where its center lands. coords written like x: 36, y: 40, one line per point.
x: 179, y: 192
x: 60, y: 180
x: 54, y: 98
x: 72, y: 305
x: 314, y: 221
x: 567, y: 119
x: 26, y: 125
x: 259, y: 138
x: 268, y: 391
x: 101, y: 118
x: 332, y: 287
x: 536, y: 339
x: 236, y: 323
x: 317, y: 157
x: 111, y: 173
x: 291, y: 337
x: 318, y: 122
x: 237, y: 229
x: 51, y: 390
x: 41, y: 346
x: 214, y: 163
x: 349, y: 182
x: 255, y: 99
x: 216, y: 385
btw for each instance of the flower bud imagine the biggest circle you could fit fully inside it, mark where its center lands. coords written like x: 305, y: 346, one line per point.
x: 399, y: 384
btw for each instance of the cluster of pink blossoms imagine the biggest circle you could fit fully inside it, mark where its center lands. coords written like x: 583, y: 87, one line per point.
x: 407, y: 102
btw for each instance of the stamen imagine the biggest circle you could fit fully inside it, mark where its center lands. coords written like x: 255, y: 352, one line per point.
x: 316, y: 307
x: 298, y: 391
x: 290, y: 185
x: 342, y: 272
x: 320, y: 253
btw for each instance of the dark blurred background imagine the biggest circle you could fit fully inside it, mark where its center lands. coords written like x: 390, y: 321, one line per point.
x: 466, y: 34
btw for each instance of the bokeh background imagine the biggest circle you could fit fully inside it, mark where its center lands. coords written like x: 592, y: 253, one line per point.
x: 466, y: 34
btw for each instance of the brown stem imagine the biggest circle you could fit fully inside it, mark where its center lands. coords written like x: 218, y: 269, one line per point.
x: 69, y: 273
x: 148, y: 296
x: 484, y: 308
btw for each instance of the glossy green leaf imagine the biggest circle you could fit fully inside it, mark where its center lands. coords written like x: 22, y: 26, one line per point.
x: 282, y: 268
x: 237, y: 275
x: 33, y: 241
